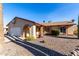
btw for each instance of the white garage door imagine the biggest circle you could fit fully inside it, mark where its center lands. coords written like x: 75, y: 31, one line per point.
x: 15, y: 31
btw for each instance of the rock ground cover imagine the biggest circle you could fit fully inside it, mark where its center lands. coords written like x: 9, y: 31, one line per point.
x: 62, y: 45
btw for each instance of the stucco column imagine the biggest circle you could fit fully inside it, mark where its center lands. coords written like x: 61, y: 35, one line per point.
x: 1, y: 29
x: 23, y: 35
x: 41, y: 31
x: 66, y: 30
x: 34, y: 31
x: 30, y: 31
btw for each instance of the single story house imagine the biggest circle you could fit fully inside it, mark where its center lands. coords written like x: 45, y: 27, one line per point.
x: 25, y: 28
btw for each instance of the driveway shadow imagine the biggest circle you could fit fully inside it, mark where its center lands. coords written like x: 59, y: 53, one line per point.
x: 35, y: 52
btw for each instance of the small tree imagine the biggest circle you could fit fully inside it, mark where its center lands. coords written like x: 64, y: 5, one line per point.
x: 43, y: 21
x: 49, y: 21
x: 78, y: 26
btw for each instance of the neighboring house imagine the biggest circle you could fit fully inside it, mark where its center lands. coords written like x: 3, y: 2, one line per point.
x: 65, y: 27
x: 25, y: 28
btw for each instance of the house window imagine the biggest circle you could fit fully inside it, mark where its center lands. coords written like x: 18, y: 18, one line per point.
x: 63, y: 29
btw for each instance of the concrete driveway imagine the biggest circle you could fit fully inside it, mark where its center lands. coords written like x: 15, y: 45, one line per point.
x: 12, y: 49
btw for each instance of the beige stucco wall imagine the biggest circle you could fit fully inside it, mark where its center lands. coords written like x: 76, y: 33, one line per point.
x: 71, y: 29
x: 19, y: 23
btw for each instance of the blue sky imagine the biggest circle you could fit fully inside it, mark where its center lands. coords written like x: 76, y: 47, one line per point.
x: 38, y: 12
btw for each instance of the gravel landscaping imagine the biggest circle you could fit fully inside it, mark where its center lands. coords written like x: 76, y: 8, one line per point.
x: 61, y: 45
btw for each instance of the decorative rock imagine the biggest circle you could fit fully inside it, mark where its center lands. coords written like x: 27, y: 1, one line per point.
x: 75, y: 52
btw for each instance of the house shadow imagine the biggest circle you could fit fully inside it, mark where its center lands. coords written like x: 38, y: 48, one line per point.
x: 65, y: 37
x: 48, y: 51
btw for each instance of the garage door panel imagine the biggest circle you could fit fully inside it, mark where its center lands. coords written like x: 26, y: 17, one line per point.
x: 15, y: 31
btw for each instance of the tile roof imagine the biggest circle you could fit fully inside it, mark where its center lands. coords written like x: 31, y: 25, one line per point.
x: 25, y: 20
x: 46, y: 24
x: 58, y: 23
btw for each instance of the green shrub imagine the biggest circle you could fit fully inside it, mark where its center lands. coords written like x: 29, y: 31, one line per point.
x: 30, y: 38
x: 55, y: 32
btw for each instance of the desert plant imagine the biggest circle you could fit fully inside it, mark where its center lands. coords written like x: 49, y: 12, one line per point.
x: 55, y: 32
x: 30, y: 38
